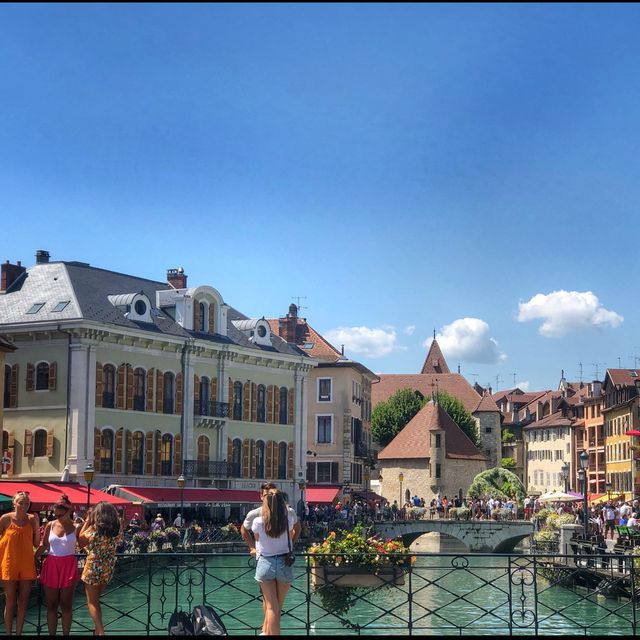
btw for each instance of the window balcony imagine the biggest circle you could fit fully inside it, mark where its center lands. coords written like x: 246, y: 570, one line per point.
x: 212, y: 409
x: 210, y: 469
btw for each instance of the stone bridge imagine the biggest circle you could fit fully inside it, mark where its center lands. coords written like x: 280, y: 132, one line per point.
x: 478, y: 535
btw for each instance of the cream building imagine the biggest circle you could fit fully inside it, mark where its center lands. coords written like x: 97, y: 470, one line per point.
x: 147, y: 380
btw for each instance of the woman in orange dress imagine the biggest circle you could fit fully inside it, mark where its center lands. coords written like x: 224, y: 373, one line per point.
x: 20, y: 536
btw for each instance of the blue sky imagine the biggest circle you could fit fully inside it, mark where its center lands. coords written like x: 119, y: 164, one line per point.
x: 471, y: 169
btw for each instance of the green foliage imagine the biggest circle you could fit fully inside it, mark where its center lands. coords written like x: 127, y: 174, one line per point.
x: 499, y: 483
x: 391, y: 416
x: 508, y: 463
x: 507, y: 435
x: 456, y: 411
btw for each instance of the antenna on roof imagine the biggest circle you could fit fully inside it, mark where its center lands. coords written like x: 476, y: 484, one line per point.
x: 580, y: 365
x: 514, y: 378
x: 498, y: 381
x: 635, y: 361
x: 298, y: 298
x: 595, y: 364
x: 475, y: 377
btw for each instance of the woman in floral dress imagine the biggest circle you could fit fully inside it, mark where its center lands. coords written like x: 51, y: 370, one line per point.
x: 100, y: 534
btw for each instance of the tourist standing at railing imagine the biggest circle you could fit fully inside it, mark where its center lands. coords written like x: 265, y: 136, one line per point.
x: 274, y: 536
x: 20, y: 533
x: 100, y: 534
x: 59, y: 572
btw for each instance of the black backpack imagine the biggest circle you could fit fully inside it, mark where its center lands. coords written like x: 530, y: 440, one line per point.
x: 180, y: 624
x: 206, y: 622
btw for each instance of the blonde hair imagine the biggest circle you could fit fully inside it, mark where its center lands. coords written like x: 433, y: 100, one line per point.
x: 274, y: 513
x: 21, y: 494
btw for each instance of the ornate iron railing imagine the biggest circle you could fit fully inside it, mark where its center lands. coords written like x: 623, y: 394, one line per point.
x: 213, y: 409
x: 444, y: 594
x: 210, y: 469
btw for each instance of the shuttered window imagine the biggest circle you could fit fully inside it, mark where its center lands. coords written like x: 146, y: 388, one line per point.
x: 168, y: 392
x: 106, y: 452
x: 284, y: 406
x: 109, y: 386
x: 137, y: 453
x: 39, y: 443
x: 139, y: 389
x: 6, y: 399
x: 205, y: 396
x: 236, y: 457
x: 167, y: 454
x: 282, y: 461
x: 261, y: 410
x: 260, y: 457
x: 237, y: 400
x: 42, y: 376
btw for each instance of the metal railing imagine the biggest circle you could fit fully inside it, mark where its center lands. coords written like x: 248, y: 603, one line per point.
x: 210, y: 469
x: 212, y: 409
x: 445, y: 594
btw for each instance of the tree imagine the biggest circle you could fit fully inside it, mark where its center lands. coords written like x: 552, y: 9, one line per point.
x: 497, y: 483
x: 391, y: 416
x: 507, y: 435
x: 508, y: 463
x: 456, y: 411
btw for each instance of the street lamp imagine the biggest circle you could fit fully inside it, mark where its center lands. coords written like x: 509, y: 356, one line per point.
x: 89, y: 472
x: 584, y: 465
x: 564, y: 470
x: 181, y: 483
x: 401, y: 479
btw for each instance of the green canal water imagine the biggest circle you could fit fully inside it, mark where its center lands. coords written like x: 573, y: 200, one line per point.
x: 448, y: 597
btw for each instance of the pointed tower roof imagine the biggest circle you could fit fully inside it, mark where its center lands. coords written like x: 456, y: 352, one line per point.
x: 435, y: 362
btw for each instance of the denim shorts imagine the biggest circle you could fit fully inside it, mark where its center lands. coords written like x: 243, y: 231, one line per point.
x: 273, y: 568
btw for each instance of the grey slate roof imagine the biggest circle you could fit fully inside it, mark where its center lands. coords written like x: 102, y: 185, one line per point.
x: 87, y: 289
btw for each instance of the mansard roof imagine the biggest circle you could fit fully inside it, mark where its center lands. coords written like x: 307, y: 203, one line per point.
x: 414, y: 440
x: 435, y: 362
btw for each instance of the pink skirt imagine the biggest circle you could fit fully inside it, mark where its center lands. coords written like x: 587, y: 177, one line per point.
x: 59, y: 572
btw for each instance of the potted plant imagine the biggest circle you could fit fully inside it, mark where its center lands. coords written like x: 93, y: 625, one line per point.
x: 159, y: 539
x: 173, y: 537
x: 463, y: 513
x: 140, y: 542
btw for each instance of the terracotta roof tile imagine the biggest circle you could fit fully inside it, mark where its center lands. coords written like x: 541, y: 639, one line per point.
x: 623, y: 377
x: 306, y: 334
x: 556, y: 419
x: 435, y: 362
x: 413, y: 440
x: 486, y: 404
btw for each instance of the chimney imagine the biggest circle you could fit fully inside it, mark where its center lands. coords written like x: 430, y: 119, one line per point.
x: 9, y: 274
x: 287, y: 325
x: 42, y: 256
x: 597, y: 388
x: 177, y: 278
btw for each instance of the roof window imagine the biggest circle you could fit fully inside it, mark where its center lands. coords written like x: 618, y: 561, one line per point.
x: 60, y: 306
x: 308, y: 345
x: 35, y: 307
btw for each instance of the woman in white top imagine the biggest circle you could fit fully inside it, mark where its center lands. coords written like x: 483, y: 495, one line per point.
x: 59, y: 572
x: 273, y: 531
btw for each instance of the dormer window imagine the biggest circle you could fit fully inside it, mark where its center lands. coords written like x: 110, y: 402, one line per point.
x: 136, y: 306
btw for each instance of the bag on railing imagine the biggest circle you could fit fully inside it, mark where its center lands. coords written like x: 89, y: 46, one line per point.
x: 206, y: 622
x: 180, y: 624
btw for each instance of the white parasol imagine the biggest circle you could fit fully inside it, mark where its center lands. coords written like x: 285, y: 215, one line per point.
x: 557, y: 496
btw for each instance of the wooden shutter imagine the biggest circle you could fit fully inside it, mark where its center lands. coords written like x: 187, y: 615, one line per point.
x: 177, y: 454
x: 231, y: 398
x: 11, y: 443
x: 196, y: 395
x: 246, y: 399
x: 150, y: 389
x: 254, y: 402
x: 49, y: 443
x: 99, y: 388
x: 276, y: 405
x: 290, y: 402
x: 30, y: 376
x: 53, y: 375
x: 214, y: 389
x: 159, y: 391
x: 119, y: 446
x: 97, y: 446
x: 212, y: 318
x: 196, y: 308
x: 129, y: 452
x: 311, y: 472
x: 254, y: 466
x: 270, y: 403
x: 121, y: 386
x: 28, y: 444
x: 148, y: 453
x: 178, y: 407
x: 158, y: 453
x: 245, y: 459
x: 13, y: 389
x: 229, y: 451
x: 129, y: 388
x: 268, y: 464
x: 290, y: 461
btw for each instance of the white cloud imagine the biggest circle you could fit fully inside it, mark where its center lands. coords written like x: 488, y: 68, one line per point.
x: 565, y: 311
x: 371, y: 343
x: 524, y: 385
x: 468, y: 339
x: 410, y: 329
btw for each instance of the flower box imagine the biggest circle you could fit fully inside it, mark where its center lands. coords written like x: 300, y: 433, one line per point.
x: 350, y: 576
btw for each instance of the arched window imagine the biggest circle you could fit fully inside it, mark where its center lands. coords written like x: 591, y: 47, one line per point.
x: 137, y: 453
x: 109, y: 386
x: 284, y: 406
x: 236, y: 458
x: 262, y: 412
x: 205, y: 396
x: 139, y: 389
x: 259, y: 459
x: 40, y: 443
x: 203, y: 456
x: 168, y: 391
x: 42, y: 376
x: 106, y: 452
x: 202, y: 316
x: 237, y: 400
x: 283, y: 451
x: 7, y: 387
x: 166, y: 454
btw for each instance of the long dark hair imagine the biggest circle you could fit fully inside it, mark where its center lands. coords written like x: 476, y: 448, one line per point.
x: 105, y: 520
x: 274, y: 513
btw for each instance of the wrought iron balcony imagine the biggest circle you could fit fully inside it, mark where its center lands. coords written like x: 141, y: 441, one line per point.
x: 213, y: 409
x: 360, y: 450
x: 211, y: 469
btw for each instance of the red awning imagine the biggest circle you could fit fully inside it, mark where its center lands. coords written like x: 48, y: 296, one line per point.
x: 321, y: 495
x: 632, y: 432
x: 171, y: 496
x: 44, y: 494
